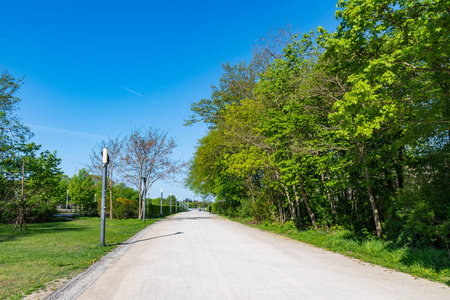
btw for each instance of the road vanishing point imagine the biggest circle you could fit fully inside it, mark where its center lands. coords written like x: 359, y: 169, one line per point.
x: 197, y: 255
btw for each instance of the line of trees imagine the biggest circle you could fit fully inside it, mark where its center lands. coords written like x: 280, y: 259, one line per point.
x: 347, y: 129
x: 122, y: 201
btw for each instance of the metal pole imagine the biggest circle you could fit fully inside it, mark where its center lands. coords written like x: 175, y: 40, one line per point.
x: 170, y: 202
x: 67, y: 199
x: 160, y: 212
x: 143, y: 201
x: 176, y: 203
x: 102, y: 207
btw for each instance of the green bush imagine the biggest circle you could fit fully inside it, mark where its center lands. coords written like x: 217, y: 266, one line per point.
x: 123, y: 208
x: 7, y: 213
x: 41, y: 213
x: 420, y: 218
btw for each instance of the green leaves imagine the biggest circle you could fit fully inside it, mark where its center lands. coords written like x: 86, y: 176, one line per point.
x: 343, y: 121
x: 12, y: 132
x: 81, y: 188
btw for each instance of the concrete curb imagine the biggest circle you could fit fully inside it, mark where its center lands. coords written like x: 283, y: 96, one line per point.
x: 77, y: 285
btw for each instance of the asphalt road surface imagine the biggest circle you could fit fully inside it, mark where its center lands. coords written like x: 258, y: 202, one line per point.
x: 197, y: 255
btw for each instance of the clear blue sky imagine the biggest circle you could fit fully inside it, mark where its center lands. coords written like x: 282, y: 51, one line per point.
x: 100, y: 68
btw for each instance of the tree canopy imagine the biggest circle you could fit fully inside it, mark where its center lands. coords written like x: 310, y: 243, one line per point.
x: 347, y: 129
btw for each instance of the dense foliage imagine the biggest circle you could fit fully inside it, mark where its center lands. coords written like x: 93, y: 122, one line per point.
x: 348, y: 129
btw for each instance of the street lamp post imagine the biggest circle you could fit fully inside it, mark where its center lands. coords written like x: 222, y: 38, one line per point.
x: 105, y: 161
x: 67, y: 199
x: 160, y: 211
x: 143, y: 200
x: 170, y: 203
x: 176, y: 203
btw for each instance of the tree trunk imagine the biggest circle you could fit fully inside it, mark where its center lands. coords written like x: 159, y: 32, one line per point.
x: 399, y: 168
x: 140, y: 202
x: 306, y: 201
x: 252, y: 190
x: 110, y: 203
x: 297, y: 202
x: 291, y: 205
x: 286, y: 191
x: 20, y: 218
x: 376, y: 216
x: 330, y: 199
x: 351, y: 192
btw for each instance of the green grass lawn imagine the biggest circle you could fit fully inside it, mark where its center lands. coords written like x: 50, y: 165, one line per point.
x: 50, y: 251
x: 433, y: 264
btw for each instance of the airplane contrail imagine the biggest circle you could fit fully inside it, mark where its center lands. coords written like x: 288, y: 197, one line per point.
x: 85, y: 135
x: 131, y: 91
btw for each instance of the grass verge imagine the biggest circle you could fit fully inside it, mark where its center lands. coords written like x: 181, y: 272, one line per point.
x: 430, y: 263
x: 50, y: 251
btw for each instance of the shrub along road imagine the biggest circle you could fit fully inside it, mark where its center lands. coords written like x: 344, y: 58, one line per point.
x: 196, y: 255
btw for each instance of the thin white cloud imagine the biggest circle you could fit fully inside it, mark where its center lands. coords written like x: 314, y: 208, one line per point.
x: 131, y: 91
x: 65, y: 132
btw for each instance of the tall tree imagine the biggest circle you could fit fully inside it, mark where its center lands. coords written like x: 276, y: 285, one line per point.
x: 12, y: 132
x: 82, y: 190
x: 395, y: 56
x: 238, y: 80
x: 32, y: 182
x: 148, y: 153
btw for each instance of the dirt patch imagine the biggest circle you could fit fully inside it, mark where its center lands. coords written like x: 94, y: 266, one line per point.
x: 50, y: 288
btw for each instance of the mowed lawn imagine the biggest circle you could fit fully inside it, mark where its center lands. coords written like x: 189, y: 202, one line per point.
x: 56, y: 250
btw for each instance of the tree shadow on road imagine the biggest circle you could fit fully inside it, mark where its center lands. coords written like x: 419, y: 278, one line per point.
x: 152, y: 238
x: 191, y: 218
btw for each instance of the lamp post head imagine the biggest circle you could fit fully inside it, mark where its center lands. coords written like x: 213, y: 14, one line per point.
x: 105, y: 157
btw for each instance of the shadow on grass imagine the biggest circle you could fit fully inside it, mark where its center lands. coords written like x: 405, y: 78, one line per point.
x: 430, y: 258
x: 7, y: 232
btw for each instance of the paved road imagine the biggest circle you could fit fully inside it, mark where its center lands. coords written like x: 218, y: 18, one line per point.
x: 196, y: 255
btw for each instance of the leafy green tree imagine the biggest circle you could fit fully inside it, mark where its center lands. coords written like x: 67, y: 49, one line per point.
x: 47, y: 177
x: 12, y: 132
x: 63, y: 187
x: 393, y: 56
x: 238, y: 80
x: 353, y: 126
x: 207, y: 172
x: 236, y: 84
x: 33, y: 184
x: 81, y: 190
